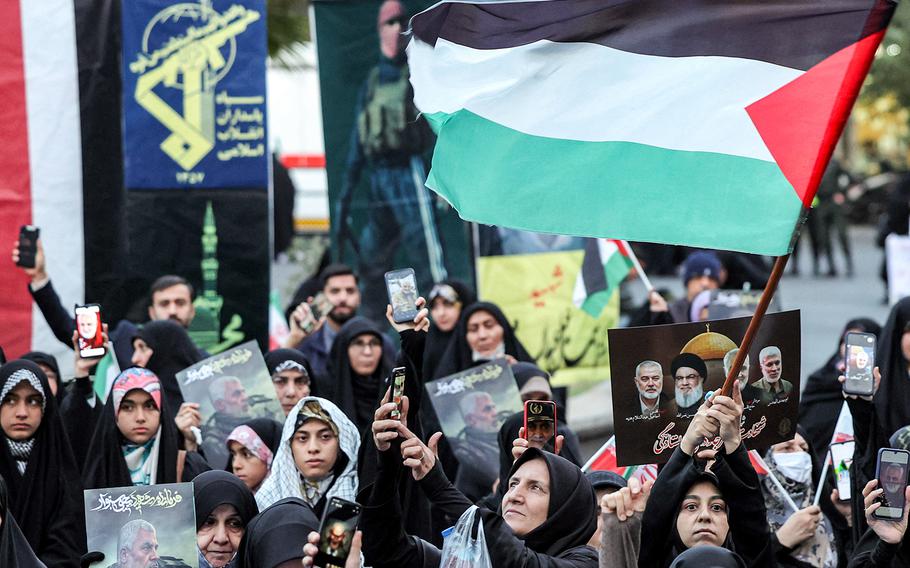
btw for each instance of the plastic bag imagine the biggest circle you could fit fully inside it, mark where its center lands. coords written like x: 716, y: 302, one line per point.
x: 461, y: 549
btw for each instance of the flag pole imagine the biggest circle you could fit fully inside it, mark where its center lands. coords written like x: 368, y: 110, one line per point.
x: 821, y: 480
x: 779, y: 264
x: 637, y: 265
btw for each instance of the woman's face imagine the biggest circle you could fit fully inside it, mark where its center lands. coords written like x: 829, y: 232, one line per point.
x: 797, y: 444
x: 527, y: 499
x: 247, y: 466
x: 139, y: 417
x: 364, y: 353
x: 219, y: 536
x: 484, y: 334
x: 702, y: 516
x: 445, y: 313
x: 141, y: 353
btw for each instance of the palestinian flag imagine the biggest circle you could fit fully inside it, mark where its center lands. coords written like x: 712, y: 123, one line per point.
x: 605, y: 265
x: 700, y: 122
x: 41, y: 168
x: 604, y: 459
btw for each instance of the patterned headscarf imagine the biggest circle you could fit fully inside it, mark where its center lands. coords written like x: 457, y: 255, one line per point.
x: 24, y: 376
x: 249, y: 439
x: 22, y: 450
x: 135, y: 378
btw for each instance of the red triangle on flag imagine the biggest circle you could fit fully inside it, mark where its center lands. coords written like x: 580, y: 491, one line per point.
x: 801, y: 122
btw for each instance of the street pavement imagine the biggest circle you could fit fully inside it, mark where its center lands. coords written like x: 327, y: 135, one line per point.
x: 825, y: 304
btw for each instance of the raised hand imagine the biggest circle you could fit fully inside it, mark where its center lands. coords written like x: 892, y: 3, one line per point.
x: 627, y: 500
x: 39, y: 273
x: 84, y: 365
x: 418, y: 456
x: 876, y: 382
x: 727, y: 412
x: 311, y: 549
x: 384, y: 428
x: 800, y: 526
x: 889, y: 531
x: 302, y: 324
x: 701, y: 428
x: 421, y: 321
x: 520, y: 444
x: 189, y: 417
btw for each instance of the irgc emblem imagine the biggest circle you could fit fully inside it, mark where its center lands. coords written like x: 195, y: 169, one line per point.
x: 186, y: 49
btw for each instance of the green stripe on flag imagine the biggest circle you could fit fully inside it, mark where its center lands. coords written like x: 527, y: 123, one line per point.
x: 104, y: 374
x: 616, y: 269
x: 611, y: 189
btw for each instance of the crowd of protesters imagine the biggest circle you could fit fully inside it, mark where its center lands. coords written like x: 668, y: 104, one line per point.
x: 536, y: 506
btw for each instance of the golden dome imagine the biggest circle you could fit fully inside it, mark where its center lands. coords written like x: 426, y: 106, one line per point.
x: 709, y: 345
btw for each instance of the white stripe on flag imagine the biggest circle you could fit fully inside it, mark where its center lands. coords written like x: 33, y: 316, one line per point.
x: 596, y: 93
x: 55, y: 153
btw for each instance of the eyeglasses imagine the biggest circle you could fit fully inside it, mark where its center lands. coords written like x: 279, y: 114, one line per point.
x: 364, y: 344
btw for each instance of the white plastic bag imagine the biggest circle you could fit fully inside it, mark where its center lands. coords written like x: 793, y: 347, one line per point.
x: 460, y: 549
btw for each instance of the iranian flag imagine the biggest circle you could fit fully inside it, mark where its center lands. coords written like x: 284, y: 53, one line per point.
x: 605, y: 265
x: 707, y: 123
x: 604, y: 459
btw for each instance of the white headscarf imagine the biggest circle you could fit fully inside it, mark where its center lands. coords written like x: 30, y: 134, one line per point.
x: 284, y: 479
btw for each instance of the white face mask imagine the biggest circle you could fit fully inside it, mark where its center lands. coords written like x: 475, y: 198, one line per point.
x: 796, y: 466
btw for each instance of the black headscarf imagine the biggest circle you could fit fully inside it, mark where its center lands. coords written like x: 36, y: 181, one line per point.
x: 47, y: 499
x: 172, y: 352
x: 822, y: 399
x: 214, y: 488
x: 356, y: 396
x: 438, y: 340
x: 572, y: 512
x: 268, y: 430
x: 47, y: 359
x: 105, y: 466
x: 15, y: 551
x: 708, y: 557
x: 458, y: 356
x: 892, y: 401
x: 277, y: 358
x: 277, y: 534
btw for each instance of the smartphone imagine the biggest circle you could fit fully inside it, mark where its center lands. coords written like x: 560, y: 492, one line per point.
x: 398, y: 375
x: 841, y: 458
x: 859, y: 352
x: 540, y: 422
x: 88, y: 324
x: 320, y: 306
x: 402, y: 288
x: 891, y: 472
x: 339, y: 521
x: 28, y: 245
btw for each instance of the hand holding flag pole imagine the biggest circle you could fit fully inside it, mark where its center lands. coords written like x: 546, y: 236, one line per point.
x: 767, y: 470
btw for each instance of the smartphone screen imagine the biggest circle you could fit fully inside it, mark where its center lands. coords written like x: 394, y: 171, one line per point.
x: 540, y: 422
x: 398, y: 375
x: 841, y: 458
x: 860, y: 358
x: 28, y: 245
x: 402, y: 288
x: 891, y: 472
x: 88, y: 324
x: 320, y: 306
x: 336, y: 532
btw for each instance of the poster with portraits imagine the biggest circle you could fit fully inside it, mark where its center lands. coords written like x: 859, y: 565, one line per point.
x: 230, y: 388
x: 472, y: 406
x: 661, y: 374
x: 151, y: 525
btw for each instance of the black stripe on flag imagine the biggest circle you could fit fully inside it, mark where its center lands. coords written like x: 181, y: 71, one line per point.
x: 793, y: 33
x: 592, y: 268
